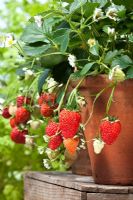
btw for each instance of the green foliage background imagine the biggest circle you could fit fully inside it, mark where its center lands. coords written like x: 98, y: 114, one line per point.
x: 14, y: 159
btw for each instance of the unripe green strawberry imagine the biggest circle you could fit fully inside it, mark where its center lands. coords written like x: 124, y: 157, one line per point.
x: 52, y: 154
x: 35, y: 124
x: 12, y: 109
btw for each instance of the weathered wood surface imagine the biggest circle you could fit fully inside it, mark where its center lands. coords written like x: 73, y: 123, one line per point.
x: 66, y: 186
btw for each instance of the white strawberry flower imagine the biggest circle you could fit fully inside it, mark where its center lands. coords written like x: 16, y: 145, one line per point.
x: 9, y: 40
x: 112, y: 13
x: 110, y: 31
x: 72, y: 60
x: 46, y: 163
x: 52, y: 84
x: 97, y: 15
x: 40, y: 150
x: 38, y: 20
x: 91, y: 42
x: 98, y: 145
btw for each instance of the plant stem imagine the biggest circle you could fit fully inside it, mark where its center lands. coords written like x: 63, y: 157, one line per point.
x: 110, y: 99
x: 97, y: 96
x: 63, y: 96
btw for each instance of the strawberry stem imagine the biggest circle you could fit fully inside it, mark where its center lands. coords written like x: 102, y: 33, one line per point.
x: 110, y: 100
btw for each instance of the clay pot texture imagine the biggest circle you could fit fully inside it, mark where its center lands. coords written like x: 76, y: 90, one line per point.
x: 114, y: 165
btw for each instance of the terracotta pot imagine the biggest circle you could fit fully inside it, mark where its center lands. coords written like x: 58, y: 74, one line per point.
x: 114, y: 165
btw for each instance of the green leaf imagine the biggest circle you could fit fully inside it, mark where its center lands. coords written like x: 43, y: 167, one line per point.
x: 86, y: 68
x: 76, y: 5
x: 101, y: 2
x: 94, y: 50
x: 130, y: 38
x: 110, y: 56
x: 34, y: 51
x: 129, y: 73
x: 42, y: 79
x: 89, y: 8
x: 32, y: 33
x: 61, y: 37
x: 49, y: 23
x: 124, y: 61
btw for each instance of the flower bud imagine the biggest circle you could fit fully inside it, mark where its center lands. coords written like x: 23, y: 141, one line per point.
x: 116, y: 74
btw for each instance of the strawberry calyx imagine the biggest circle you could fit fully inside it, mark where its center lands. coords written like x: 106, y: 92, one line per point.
x: 111, y: 118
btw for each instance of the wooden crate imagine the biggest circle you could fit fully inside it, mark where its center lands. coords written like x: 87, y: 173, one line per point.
x: 66, y: 186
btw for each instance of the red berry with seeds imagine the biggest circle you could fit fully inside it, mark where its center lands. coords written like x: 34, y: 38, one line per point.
x: 13, y: 122
x: 18, y: 136
x: 5, y: 113
x: 22, y: 100
x: 47, y: 98
x: 110, y: 129
x: 55, y: 142
x: 22, y: 115
x: 52, y: 128
x: 46, y: 110
x: 69, y: 123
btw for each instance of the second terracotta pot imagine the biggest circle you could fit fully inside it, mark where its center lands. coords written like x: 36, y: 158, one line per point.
x: 114, y: 165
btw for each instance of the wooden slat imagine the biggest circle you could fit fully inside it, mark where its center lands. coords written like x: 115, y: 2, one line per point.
x: 37, y: 190
x: 98, y: 196
x: 81, y: 183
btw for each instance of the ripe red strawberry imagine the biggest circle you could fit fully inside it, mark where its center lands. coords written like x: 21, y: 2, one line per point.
x: 52, y: 128
x: 46, y: 110
x: 110, y: 129
x: 18, y: 136
x: 47, y: 98
x: 5, y: 113
x: 13, y: 122
x: 69, y: 123
x: 21, y: 100
x: 22, y: 115
x: 71, y: 145
x: 55, y: 142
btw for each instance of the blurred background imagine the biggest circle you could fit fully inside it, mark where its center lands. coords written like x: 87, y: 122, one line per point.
x: 14, y: 159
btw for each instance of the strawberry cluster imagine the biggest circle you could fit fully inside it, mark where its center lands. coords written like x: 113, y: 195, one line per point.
x: 65, y: 131
x: 19, y: 115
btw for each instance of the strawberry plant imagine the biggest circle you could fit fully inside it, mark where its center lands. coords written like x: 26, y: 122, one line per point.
x: 68, y: 42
